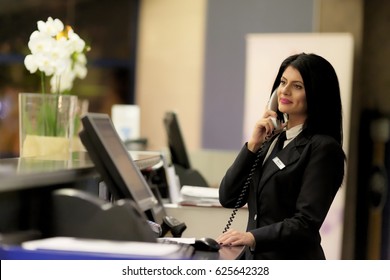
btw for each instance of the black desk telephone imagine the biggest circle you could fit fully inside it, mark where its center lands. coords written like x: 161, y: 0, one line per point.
x: 174, y: 225
x: 169, y: 224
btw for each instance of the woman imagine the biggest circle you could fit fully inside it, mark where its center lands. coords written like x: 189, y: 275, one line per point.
x: 289, y: 195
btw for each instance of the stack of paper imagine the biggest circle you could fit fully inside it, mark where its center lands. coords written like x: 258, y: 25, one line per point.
x: 199, y: 196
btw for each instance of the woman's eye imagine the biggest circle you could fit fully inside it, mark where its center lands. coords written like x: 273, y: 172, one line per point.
x: 298, y: 86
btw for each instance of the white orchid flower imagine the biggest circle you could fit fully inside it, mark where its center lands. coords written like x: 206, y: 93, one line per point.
x: 40, y: 44
x: 51, y: 27
x: 80, y: 70
x: 58, y: 52
x: 77, y: 44
x: 63, y: 82
x: 45, y: 64
x: 80, y: 58
x: 31, y: 63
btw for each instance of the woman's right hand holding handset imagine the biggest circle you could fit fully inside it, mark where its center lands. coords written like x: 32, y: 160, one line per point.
x: 262, y: 131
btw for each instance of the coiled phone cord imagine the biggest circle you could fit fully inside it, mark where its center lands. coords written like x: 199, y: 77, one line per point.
x: 244, y: 190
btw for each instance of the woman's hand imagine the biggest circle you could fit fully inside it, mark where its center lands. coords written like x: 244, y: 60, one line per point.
x: 262, y: 131
x: 236, y: 238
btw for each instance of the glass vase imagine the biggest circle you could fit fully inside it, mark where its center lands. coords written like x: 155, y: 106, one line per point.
x: 46, y: 125
x: 81, y: 109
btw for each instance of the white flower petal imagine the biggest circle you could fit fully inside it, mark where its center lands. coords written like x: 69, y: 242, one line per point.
x: 62, y: 83
x: 80, y: 71
x: 81, y: 59
x: 30, y: 63
x: 50, y: 27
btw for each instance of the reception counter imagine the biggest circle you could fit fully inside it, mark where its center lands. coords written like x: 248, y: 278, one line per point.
x: 28, y: 210
x: 27, y: 186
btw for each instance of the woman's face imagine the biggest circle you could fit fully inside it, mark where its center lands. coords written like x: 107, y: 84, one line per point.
x: 292, y: 96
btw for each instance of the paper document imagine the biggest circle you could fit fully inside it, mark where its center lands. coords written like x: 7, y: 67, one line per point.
x: 200, y: 192
x: 180, y: 240
x: 199, y: 196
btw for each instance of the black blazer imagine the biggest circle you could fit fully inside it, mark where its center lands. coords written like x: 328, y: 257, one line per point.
x: 287, y: 206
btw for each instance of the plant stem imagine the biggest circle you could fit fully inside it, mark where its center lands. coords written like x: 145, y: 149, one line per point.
x: 43, y: 82
x: 56, y: 114
x: 58, y: 80
x: 44, y: 120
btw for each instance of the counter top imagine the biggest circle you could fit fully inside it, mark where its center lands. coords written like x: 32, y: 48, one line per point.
x: 31, y: 172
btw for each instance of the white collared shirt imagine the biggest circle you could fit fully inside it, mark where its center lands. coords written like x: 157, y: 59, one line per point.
x: 290, y: 135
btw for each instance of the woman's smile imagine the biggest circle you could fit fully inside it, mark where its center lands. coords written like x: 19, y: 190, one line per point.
x: 284, y: 101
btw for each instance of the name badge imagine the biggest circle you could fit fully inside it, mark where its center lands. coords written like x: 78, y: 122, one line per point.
x: 278, y: 163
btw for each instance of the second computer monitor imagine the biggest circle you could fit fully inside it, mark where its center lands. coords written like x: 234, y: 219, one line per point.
x: 179, y: 156
x: 175, y: 139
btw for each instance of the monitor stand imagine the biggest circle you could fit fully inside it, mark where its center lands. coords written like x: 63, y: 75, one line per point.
x: 190, y: 177
x: 79, y: 214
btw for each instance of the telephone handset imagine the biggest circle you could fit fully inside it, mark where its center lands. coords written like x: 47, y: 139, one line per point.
x: 273, y: 105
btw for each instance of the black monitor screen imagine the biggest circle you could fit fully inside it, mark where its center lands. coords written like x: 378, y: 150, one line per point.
x: 113, y: 161
x: 175, y: 141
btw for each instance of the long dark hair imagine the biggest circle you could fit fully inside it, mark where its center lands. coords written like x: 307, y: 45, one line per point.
x: 324, y: 109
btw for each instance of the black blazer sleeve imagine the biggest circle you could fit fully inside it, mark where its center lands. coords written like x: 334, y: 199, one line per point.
x: 232, y: 184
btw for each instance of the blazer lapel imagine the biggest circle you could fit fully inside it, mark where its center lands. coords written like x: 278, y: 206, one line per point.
x: 289, y: 155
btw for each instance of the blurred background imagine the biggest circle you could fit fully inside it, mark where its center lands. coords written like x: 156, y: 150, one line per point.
x: 189, y: 56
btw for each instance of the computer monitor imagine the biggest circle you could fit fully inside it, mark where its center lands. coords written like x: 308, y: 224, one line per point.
x: 112, y: 160
x: 179, y: 155
x: 118, y: 170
